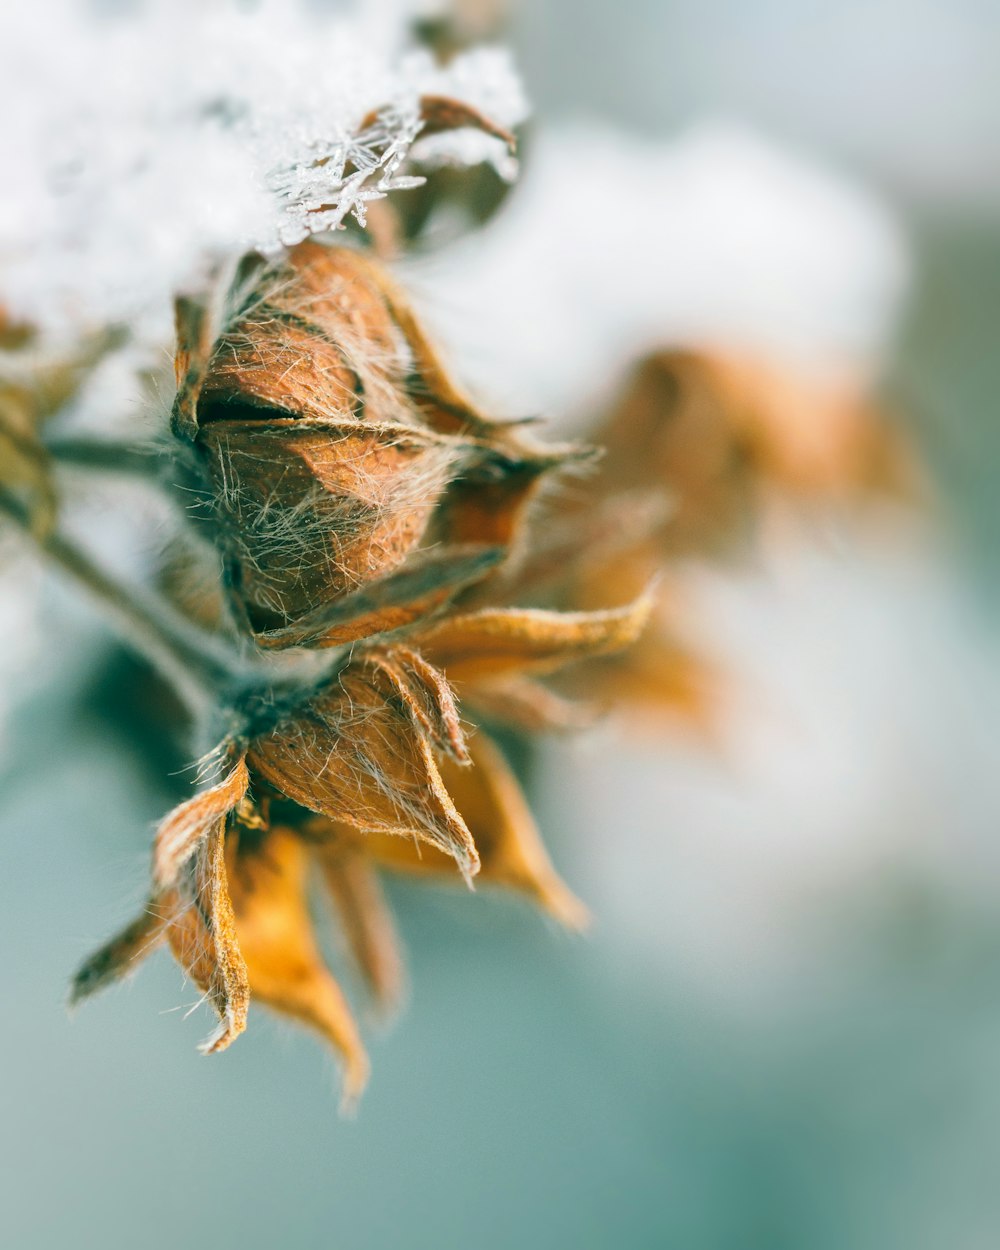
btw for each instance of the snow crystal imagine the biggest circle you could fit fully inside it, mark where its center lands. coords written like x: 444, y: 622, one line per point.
x: 152, y: 139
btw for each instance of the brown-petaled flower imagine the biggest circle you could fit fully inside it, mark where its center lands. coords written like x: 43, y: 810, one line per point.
x: 348, y: 478
x: 723, y: 433
x: 369, y: 770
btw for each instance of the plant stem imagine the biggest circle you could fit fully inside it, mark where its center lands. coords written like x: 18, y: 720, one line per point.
x: 192, y: 661
x: 103, y: 453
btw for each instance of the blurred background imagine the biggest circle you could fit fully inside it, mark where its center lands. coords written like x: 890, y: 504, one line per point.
x: 784, y: 1027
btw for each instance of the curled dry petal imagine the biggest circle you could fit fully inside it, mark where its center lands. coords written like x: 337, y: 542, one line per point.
x: 183, y: 830
x: 351, y: 753
x: 496, y: 642
x: 202, y: 934
x: 426, y: 695
x: 441, y: 113
x: 510, y: 847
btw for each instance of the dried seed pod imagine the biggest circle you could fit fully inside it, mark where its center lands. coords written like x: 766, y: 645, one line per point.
x: 326, y: 434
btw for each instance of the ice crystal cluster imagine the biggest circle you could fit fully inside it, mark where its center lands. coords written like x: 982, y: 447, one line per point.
x: 147, y: 140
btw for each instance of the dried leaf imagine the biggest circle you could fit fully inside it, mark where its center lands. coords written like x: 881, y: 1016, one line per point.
x: 120, y: 956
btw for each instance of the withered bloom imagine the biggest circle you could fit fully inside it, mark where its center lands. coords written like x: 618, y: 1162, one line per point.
x: 370, y: 770
x: 351, y: 485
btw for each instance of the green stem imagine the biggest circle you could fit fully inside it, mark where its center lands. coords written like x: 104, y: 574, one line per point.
x: 191, y: 660
x: 104, y: 454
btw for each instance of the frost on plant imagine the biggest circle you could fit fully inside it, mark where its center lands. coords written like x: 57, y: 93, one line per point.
x: 150, y: 142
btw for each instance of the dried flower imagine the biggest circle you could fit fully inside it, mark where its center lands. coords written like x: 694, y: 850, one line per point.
x: 723, y: 434
x: 352, y: 486
x: 370, y: 770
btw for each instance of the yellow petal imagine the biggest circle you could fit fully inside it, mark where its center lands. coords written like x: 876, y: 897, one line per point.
x: 364, y: 914
x: 284, y: 965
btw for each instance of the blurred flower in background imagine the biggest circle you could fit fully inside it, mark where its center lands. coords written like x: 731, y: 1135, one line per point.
x: 755, y: 256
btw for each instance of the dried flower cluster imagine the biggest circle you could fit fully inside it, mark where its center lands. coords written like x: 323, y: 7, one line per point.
x: 372, y: 573
x: 360, y: 506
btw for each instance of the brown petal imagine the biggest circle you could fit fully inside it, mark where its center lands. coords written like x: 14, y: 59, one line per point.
x: 426, y: 582
x: 492, y: 643
x: 364, y: 914
x: 119, y: 956
x: 183, y: 830
x: 443, y: 113
x: 312, y: 510
x: 427, y: 697
x: 660, y: 675
x: 444, y: 406
x: 203, y: 937
x: 284, y: 965
x: 491, y: 802
x: 488, y: 503
x: 352, y: 753
x: 195, y: 332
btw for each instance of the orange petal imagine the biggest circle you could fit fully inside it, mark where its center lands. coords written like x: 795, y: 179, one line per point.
x: 510, y: 847
x: 181, y: 831
x: 202, y: 935
x: 365, y: 917
x: 427, y: 697
x: 426, y: 582
x: 495, y: 642
x: 352, y: 753
x: 284, y: 965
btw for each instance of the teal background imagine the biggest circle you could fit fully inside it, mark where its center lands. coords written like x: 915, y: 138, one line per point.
x: 541, y: 1091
